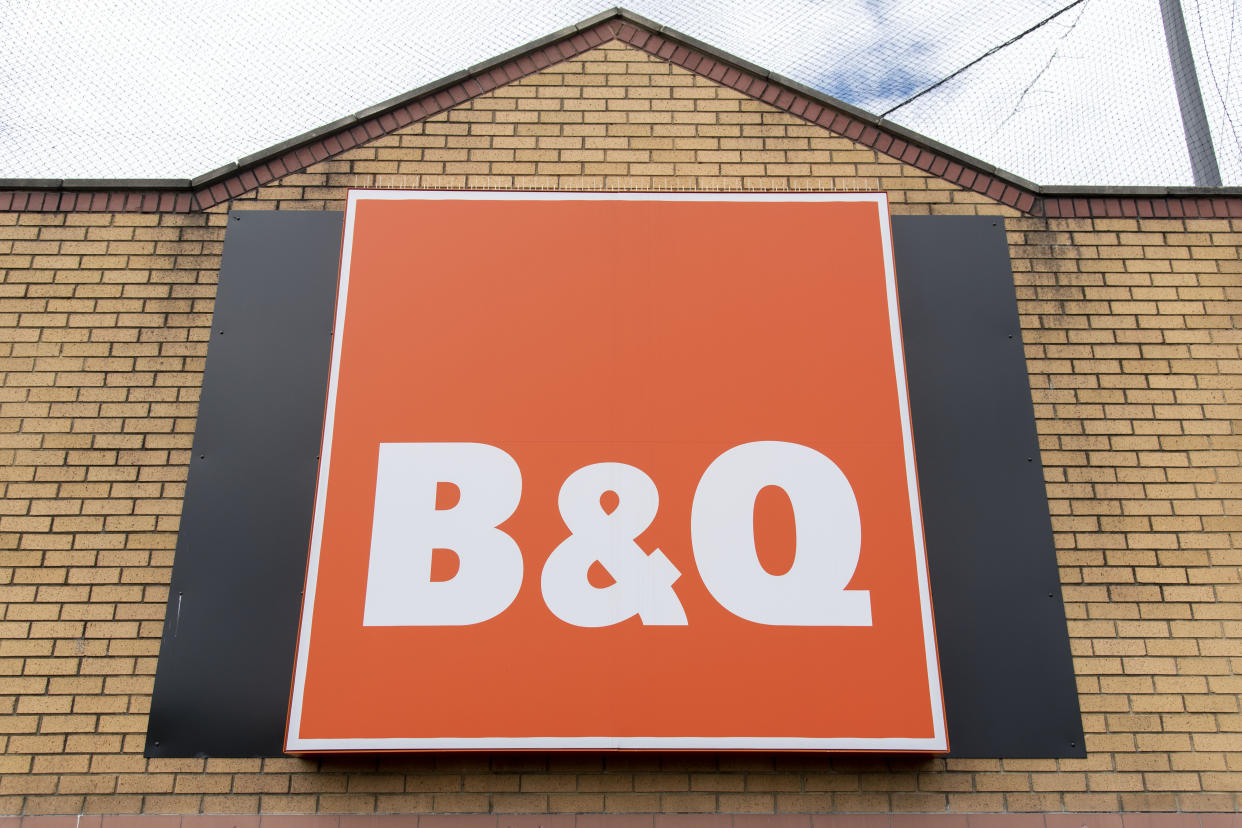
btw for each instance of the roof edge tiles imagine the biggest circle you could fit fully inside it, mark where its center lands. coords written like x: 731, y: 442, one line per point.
x: 298, y: 153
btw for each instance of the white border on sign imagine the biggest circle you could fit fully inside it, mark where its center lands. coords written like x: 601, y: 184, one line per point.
x: 937, y: 742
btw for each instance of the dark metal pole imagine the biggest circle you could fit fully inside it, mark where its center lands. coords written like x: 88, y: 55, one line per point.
x: 1194, y: 119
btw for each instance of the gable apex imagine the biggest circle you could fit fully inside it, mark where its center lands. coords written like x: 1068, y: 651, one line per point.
x: 661, y: 43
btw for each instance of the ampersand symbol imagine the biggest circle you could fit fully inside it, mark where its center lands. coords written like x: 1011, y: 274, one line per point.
x: 643, y: 583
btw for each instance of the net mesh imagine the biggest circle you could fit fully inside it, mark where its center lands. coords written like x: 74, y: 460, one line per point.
x: 173, y: 88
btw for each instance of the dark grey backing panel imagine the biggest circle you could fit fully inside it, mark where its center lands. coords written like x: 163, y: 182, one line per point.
x: 222, y: 685
x: 1000, y: 623
x: 226, y: 662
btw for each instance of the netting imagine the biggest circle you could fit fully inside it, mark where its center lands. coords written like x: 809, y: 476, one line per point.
x: 144, y: 88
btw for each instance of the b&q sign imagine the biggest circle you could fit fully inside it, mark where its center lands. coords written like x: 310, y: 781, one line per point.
x: 616, y: 470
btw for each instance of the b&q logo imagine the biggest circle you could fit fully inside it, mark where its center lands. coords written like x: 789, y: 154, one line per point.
x: 616, y: 470
x: 408, y: 528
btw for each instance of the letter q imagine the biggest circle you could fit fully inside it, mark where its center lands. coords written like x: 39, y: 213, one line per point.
x: 829, y: 537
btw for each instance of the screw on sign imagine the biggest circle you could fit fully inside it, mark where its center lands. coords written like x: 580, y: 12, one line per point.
x: 613, y: 382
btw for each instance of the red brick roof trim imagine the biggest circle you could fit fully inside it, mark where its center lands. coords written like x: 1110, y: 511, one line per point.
x: 232, y: 180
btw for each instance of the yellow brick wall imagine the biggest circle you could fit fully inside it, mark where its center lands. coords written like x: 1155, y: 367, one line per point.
x: 1134, y: 367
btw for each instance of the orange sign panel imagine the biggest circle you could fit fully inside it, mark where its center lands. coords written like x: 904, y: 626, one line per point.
x: 616, y: 470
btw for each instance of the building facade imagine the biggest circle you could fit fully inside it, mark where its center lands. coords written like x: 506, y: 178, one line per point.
x: 1128, y: 302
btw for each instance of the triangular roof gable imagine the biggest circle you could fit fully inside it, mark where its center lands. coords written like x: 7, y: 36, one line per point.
x: 295, y: 154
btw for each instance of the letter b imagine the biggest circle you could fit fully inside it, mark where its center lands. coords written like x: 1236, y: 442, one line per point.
x: 407, y: 527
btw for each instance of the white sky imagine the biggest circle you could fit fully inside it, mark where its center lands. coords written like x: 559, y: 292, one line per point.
x: 175, y: 88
